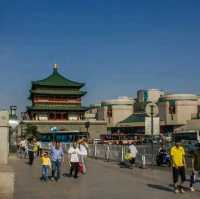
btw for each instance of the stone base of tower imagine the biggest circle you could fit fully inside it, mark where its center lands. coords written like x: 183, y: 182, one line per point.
x: 95, y: 129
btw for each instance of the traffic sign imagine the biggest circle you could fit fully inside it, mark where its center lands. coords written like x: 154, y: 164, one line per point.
x: 151, y: 109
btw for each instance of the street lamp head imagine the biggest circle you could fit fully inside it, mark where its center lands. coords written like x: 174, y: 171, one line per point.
x: 13, y: 111
x: 13, y: 123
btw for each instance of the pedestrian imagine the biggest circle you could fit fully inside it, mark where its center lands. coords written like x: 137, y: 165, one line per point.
x: 133, y: 151
x: 35, y: 148
x: 83, y: 147
x: 46, y: 165
x: 195, y: 167
x: 22, y: 147
x: 107, y: 151
x: 18, y: 140
x: 73, y: 157
x: 177, y: 153
x: 26, y: 150
x: 39, y: 148
x: 31, y: 151
x: 57, y: 156
x: 127, y: 162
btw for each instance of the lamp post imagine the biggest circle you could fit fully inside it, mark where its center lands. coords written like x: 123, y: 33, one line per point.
x: 152, y: 129
x: 13, y: 123
x: 13, y: 112
x: 87, y: 126
x: 152, y: 111
x: 53, y: 130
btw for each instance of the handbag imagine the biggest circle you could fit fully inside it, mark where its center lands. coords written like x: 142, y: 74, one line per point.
x: 80, y: 167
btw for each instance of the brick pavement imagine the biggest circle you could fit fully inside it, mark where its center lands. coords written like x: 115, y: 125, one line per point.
x: 103, y: 180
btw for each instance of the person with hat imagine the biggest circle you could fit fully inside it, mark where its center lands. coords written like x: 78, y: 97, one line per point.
x: 46, y: 164
x: 177, y: 153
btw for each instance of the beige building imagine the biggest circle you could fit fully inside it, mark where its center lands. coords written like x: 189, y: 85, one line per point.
x: 150, y: 95
x: 115, y: 110
x: 177, y: 109
x: 92, y: 113
x: 146, y: 96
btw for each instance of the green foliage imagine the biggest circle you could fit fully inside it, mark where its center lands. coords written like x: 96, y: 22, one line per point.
x: 31, y: 131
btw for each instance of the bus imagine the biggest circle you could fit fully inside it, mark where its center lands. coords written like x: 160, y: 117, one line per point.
x: 121, y: 138
x: 192, y: 136
x: 64, y: 137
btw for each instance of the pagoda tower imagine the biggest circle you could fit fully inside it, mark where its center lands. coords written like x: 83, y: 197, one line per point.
x: 56, y: 98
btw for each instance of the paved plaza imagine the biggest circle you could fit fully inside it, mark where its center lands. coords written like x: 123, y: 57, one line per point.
x: 103, y: 181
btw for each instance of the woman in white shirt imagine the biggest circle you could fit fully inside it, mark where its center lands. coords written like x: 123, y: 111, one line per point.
x: 83, y: 153
x: 73, y: 155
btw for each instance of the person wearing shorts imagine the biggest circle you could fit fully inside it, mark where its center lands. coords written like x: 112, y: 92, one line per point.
x: 177, y: 153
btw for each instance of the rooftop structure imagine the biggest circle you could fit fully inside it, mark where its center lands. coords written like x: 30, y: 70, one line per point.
x: 56, y: 98
x: 115, y: 110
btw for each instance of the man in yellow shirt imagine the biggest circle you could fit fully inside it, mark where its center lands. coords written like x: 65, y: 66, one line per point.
x: 178, y: 166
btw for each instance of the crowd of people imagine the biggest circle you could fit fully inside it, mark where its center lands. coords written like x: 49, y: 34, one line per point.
x: 177, y: 158
x: 53, y: 158
x: 29, y: 148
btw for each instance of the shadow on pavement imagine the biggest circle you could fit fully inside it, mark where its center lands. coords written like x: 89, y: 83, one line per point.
x: 125, y: 165
x: 66, y: 175
x: 160, y: 187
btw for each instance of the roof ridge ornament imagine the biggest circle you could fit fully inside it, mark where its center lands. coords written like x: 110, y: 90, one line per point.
x: 55, y: 67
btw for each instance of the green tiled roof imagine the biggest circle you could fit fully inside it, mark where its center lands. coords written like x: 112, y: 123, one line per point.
x: 57, y: 107
x: 136, y: 117
x: 56, y: 79
x: 58, y: 92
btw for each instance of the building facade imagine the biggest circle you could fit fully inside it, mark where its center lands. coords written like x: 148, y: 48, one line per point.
x: 56, y: 102
x: 146, y: 96
x: 177, y: 109
x: 56, y: 98
x: 115, y: 110
x: 150, y: 95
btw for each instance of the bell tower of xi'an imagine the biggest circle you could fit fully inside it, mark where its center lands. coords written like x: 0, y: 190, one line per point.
x: 56, y: 102
x: 56, y: 98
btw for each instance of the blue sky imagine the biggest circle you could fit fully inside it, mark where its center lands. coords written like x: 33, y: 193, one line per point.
x: 114, y: 46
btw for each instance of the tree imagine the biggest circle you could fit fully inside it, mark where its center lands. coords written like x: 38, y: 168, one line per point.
x: 31, y: 131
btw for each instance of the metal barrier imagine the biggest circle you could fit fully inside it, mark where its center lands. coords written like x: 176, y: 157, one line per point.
x: 116, y: 153
x: 110, y: 152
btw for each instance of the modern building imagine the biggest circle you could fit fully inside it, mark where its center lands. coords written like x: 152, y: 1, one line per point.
x: 56, y: 102
x: 115, y: 110
x: 146, y: 96
x: 150, y: 95
x: 92, y: 113
x: 175, y: 110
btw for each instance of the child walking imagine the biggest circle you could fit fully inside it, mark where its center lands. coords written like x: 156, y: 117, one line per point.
x: 46, y: 164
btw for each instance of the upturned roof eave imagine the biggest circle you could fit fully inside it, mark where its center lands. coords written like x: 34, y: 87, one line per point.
x: 41, y: 108
x: 68, y: 85
x: 78, y: 93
